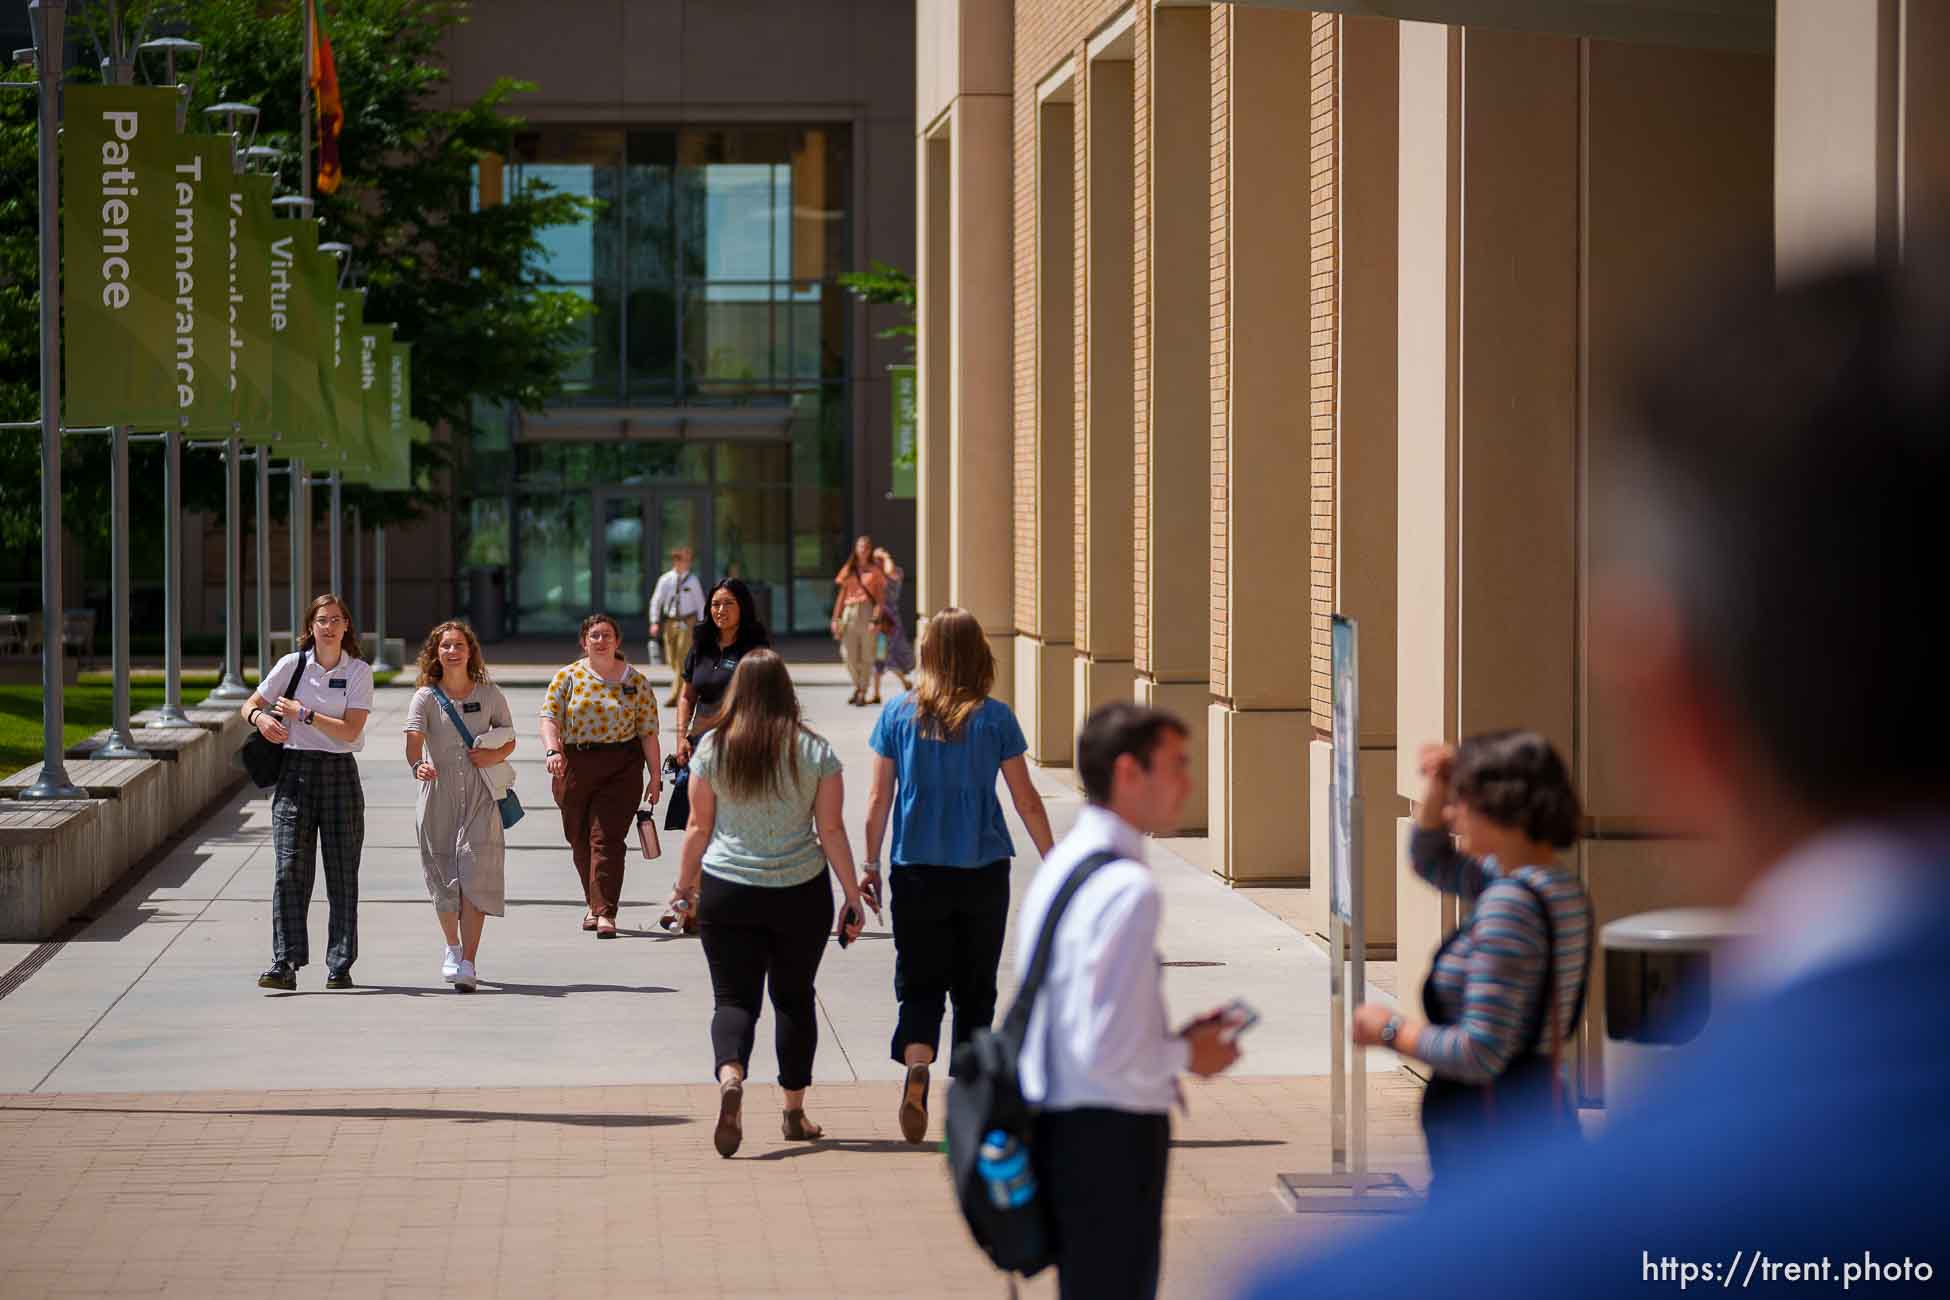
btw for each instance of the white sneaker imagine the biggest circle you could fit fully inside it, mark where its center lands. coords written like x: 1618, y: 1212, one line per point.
x: 450, y: 964
x: 465, y: 977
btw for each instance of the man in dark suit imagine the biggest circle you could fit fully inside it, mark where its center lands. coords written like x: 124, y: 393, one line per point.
x: 1781, y: 513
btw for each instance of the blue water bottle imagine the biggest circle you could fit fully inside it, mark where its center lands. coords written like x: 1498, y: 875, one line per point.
x: 1004, y: 1165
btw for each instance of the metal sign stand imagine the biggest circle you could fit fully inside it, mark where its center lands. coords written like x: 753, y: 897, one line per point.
x: 1345, y: 1189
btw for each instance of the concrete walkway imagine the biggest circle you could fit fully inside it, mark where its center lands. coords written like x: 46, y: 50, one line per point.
x: 158, y: 994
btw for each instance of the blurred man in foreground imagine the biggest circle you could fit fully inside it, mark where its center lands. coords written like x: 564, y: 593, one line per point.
x: 1780, y: 550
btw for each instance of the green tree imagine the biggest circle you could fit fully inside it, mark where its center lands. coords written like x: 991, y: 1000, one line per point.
x: 885, y: 285
x: 465, y: 283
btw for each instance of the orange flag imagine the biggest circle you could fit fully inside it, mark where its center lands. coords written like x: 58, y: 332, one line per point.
x: 325, y: 92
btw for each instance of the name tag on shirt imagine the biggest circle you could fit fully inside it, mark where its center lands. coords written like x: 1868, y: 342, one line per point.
x: 629, y: 690
x: 728, y: 663
x: 471, y: 706
x: 336, y: 684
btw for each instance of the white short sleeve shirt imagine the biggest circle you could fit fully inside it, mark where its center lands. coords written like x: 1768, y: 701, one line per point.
x: 333, y: 691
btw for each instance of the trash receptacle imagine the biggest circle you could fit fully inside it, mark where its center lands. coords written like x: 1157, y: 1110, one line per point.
x: 1663, y: 978
x: 487, y: 600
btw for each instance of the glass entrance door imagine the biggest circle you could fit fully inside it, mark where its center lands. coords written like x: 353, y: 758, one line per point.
x: 635, y: 531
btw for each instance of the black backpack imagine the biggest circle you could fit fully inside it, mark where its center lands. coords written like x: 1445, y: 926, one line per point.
x: 987, y: 1096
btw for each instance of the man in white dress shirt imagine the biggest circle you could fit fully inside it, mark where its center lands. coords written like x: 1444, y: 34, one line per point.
x: 1100, y: 1057
x: 675, y: 607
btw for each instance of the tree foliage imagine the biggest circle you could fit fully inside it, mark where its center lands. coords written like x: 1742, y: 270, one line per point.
x: 885, y: 285
x: 465, y: 284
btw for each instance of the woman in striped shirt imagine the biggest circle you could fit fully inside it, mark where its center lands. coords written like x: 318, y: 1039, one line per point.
x: 1507, y: 988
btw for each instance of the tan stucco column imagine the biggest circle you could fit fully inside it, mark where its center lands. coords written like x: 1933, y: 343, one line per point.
x: 934, y: 282
x: 1487, y: 540
x: 980, y: 509
x: 1362, y: 465
x: 1045, y: 451
x: 1861, y: 157
x: 1104, y: 487
x: 1173, y: 455
x: 964, y: 93
x: 1261, y: 477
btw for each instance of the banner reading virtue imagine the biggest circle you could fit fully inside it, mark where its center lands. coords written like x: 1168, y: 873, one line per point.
x: 117, y: 155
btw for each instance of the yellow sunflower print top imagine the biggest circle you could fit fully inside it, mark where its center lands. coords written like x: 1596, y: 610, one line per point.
x: 591, y: 711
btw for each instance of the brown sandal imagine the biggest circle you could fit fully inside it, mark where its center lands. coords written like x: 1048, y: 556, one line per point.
x: 797, y: 1128
x: 914, y: 1105
x: 731, y: 1121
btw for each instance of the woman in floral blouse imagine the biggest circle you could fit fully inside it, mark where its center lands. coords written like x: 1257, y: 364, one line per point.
x: 599, y: 729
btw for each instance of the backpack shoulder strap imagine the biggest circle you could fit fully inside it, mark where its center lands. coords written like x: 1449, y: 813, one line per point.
x: 1547, y: 1003
x: 1016, y: 1025
x: 297, y: 674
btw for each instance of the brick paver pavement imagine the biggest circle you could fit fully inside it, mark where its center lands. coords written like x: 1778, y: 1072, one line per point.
x: 607, y: 1191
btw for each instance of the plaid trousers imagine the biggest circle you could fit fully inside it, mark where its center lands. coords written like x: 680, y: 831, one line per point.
x: 318, y: 798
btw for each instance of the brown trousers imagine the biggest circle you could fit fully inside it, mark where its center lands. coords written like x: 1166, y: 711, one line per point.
x: 599, y: 793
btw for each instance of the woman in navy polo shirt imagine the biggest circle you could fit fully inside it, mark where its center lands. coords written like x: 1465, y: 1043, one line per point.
x: 941, y: 747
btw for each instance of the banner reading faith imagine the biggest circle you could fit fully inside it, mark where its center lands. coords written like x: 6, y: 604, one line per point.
x: 249, y: 271
x: 117, y: 153
x: 198, y: 247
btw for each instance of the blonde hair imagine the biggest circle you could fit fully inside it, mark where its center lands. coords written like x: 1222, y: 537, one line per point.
x: 957, y: 671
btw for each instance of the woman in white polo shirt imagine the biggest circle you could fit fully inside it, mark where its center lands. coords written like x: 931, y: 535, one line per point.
x: 323, y: 696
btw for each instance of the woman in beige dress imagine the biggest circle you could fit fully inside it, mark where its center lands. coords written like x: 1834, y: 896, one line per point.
x: 462, y: 850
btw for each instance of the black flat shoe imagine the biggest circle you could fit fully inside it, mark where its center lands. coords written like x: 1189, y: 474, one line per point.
x: 730, y: 1131
x: 339, y: 979
x: 914, y: 1105
x: 281, y: 975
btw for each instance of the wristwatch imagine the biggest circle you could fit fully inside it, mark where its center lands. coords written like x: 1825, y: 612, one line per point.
x: 1389, y: 1030
x: 871, y: 868
x: 307, y: 716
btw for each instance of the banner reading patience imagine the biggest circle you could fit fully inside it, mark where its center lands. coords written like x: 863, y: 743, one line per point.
x: 117, y: 155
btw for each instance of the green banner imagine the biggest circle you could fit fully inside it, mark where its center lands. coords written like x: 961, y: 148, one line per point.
x: 199, y: 247
x: 392, y: 453
x: 905, y: 395
x: 321, y: 274
x: 252, y: 345
x: 117, y: 152
x: 348, y: 435
x: 299, y: 326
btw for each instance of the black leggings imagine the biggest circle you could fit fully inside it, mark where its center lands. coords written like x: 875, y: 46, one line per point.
x: 751, y: 932
x: 949, y: 928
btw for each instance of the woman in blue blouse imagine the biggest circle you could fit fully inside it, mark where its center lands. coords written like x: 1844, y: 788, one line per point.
x: 941, y: 747
x: 1507, y: 988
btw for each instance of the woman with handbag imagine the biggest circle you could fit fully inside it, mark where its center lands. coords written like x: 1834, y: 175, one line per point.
x: 599, y: 733
x: 766, y: 806
x: 1506, y: 990
x: 856, y: 613
x: 730, y: 631
x: 322, y: 695
x: 458, y: 729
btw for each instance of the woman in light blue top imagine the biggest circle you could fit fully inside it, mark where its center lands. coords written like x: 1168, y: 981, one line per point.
x: 766, y: 799
x: 941, y: 748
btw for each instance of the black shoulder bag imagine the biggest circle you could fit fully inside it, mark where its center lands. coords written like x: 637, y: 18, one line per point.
x: 987, y: 1097
x: 261, y: 759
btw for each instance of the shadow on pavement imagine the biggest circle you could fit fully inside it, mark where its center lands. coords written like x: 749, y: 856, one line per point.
x: 494, y: 986
x: 574, y: 1119
x: 881, y: 1146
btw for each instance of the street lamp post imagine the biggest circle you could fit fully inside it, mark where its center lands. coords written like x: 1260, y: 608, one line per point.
x: 49, y: 18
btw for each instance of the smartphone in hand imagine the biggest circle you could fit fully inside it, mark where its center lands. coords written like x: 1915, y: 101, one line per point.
x: 1237, y: 1016
x: 848, y: 917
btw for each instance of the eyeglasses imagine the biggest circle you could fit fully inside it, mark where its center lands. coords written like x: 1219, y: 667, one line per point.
x: 328, y: 620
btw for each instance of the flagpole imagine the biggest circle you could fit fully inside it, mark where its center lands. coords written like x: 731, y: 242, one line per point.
x: 304, y: 103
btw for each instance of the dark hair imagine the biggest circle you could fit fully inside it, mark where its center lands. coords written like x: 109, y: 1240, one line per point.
x: 750, y: 630
x: 1116, y: 729
x: 1784, y: 483
x: 755, y: 733
x: 350, y: 643
x: 598, y: 618
x: 432, y: 670
x: 1517, y: 779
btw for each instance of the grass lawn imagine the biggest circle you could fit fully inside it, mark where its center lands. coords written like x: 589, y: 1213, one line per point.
x: 90, y: 706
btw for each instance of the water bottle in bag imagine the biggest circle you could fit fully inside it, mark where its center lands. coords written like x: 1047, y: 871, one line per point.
x: 1004, y: 1165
